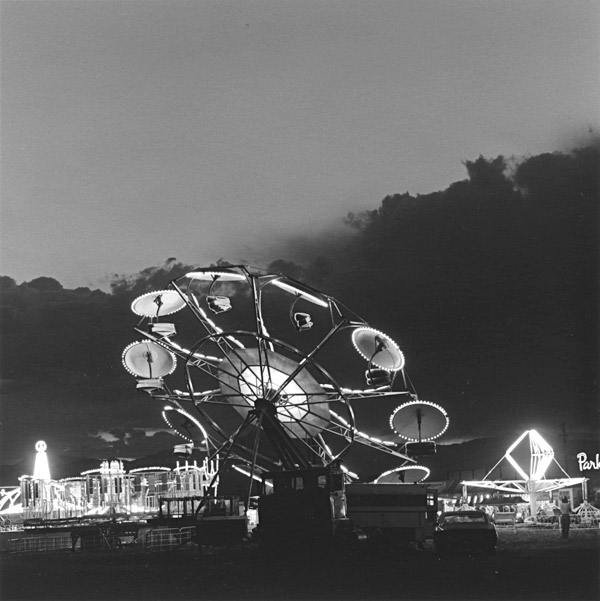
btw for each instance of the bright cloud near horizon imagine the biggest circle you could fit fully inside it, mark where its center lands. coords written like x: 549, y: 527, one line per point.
x: 136, y: 130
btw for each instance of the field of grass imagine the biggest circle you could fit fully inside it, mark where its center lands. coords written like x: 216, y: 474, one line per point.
x: 530, y: 564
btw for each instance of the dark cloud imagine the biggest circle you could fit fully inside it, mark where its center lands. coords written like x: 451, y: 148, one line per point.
x: 490, y: 287
x: 150, y: 278
x: 134, y: 442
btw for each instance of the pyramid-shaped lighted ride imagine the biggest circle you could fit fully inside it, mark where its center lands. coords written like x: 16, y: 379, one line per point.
x: 532, y: 483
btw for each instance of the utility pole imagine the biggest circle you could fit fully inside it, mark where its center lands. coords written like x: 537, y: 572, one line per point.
x: 564, y: 437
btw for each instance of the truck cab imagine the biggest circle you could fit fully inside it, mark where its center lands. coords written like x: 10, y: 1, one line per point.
x: 304, y: 506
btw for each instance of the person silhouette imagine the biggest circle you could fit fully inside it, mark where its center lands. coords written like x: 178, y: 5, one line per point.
x: 565, y: 517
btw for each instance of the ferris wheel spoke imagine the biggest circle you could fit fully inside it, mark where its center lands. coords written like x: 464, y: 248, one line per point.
x: 219, y: 452
x: 218, y: 375
x: 310, y: 440
x: 192, y: 302
x: 318, y: 426
x: 224, y: 437
x: 308, y: 358
x: 264, y: 347
x: 199, y: 313
x: 226, y: 402
x: 266, y: 369
x: 298, y: 399
x: 254, y: 457
x: 228, y: 447
x: 264, y: 375
x: 247, y: 369
x: 298, y: 439
x: 214, y: 426
x: 341, y: 427
x: 232, y: 439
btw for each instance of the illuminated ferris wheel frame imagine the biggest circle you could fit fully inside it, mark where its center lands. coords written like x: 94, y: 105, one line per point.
x: 263, y: 378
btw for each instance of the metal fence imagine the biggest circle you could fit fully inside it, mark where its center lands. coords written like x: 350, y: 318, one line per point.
x: 39, y: 544
x: 149, y: 540
x: 166, y: 539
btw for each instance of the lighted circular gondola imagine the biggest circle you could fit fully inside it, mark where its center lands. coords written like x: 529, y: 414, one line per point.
x: 158, y: 304
x: 378, y: 349
x: 419, y: 421
x: 148, y: 360
x: 406, y: 474
x: 181, y: 422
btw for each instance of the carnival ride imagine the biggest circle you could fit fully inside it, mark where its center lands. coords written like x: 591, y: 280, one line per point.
x: 9, y: 505
x: 532, y: 484
x: 247, y: 366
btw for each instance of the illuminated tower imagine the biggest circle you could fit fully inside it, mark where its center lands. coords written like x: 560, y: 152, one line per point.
x: 41, y: 470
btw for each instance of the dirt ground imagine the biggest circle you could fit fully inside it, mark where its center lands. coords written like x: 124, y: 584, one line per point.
x: 531, y: 565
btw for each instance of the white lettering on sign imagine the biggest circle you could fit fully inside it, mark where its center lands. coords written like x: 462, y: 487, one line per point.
x: 584, y: 464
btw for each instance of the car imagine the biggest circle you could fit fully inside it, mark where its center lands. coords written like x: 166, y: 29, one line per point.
x: 550, y: 514
x: 465, y: 532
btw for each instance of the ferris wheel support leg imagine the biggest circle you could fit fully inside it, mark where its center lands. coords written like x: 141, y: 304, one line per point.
x: 230, y: 444
x: 254, y: 455
x: 225, y: 438
x: 289, y: 455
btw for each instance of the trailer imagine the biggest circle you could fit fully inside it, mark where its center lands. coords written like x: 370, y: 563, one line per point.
x: 316, y: 508
x: 395, y: 515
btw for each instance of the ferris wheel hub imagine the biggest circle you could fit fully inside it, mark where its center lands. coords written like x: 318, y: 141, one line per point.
x: 251, y: 376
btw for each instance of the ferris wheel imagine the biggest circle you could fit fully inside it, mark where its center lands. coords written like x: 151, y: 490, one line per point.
x: 248, y: 363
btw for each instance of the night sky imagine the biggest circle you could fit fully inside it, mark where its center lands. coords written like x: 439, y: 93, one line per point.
x: 432, y: 165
